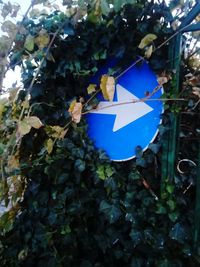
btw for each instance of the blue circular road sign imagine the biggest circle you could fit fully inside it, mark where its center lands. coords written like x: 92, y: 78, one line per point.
x: 118, y: 127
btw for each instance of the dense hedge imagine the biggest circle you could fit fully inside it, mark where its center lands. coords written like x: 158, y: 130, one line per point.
x: 79, y: 208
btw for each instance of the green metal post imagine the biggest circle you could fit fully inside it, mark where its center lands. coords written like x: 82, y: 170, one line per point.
x: 197, y: 210
x: 170, y: 145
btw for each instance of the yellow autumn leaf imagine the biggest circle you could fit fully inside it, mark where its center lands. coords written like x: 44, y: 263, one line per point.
x: 58, y: 132
x: 107, y: 86
x: 71, y: 107
x: 34, y: 122
x: 147, y: 40
x: 29, y: 43
x: 103, y: 86
x: 27, y: 123
x: 77, y: 112
x: 91, y: 88
x: 23, y: 128
x: 49, y: 145
x: 149, y: 51
x: 110, y: 88
x: 162, y: 80
x: 42, y: 40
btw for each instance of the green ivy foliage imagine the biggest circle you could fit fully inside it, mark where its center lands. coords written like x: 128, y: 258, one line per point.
x: 79, y: 208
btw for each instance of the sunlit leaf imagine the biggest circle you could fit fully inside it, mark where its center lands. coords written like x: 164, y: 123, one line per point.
x: 29, y: 43
x: 147, y: 40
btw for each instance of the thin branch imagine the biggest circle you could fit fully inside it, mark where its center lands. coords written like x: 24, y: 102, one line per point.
x: 132, y: 65
x: 87, y: 102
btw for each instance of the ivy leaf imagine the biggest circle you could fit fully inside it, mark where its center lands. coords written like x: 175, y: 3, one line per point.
x: 105, y: 7
x: 107, y: 86
x: 178, y: 233
x: 100, y: 172
x: 49, y: 145
x: 43, y: 39
x: 2, y: 147
x: 117, y: 4
x: 79, y: 165
x: 29, y: 43
x: 147, y: 40
x: 136, y: 237
x: 112, y: 212
x: 104, y: 171
x: 91, y: 88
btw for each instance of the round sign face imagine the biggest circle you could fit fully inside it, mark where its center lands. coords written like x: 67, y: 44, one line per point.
x: 118, y: 127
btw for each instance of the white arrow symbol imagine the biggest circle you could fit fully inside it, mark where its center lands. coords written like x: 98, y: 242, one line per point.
x: 125, y: 112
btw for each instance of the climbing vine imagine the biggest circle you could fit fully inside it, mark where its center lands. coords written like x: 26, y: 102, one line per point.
x: 67, y: 203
